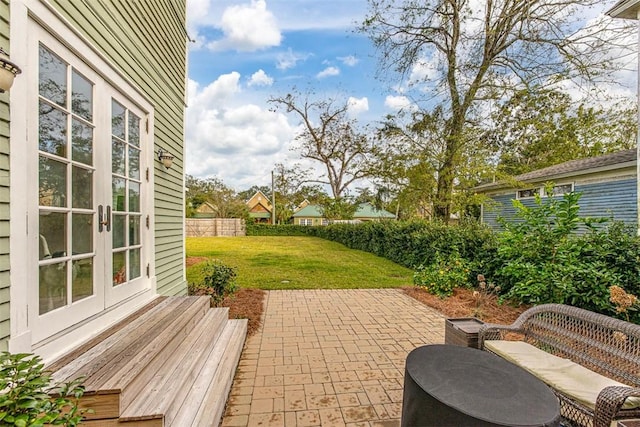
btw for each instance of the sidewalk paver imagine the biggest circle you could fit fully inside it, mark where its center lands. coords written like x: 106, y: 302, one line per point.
x: 330, y: 358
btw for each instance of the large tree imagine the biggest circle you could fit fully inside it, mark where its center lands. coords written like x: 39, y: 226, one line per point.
x: 224, y: 200
x: 541, y: 127
x: 331, y: 137
x: 471, y: 52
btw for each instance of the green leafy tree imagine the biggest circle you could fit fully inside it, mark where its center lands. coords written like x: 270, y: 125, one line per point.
x: 470, y: 54
x: 542, y: 127
x: 224, y: 200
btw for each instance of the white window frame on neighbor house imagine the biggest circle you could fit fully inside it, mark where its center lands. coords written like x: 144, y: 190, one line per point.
x: 558, y: 190
x: 306, y: 221
x: 33, y: 23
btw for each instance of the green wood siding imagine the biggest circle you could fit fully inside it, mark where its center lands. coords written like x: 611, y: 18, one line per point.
x: 146, y: 39
x: 4, y: 189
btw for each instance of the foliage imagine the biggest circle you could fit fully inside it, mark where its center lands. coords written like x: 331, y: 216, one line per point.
x: 540, y: 127
x: 256, y: 229
x: 549, y: 254
x: 224, y: 200
x: 443, y: 275
x: 28, y: 398
x: 218, y: 280
x: 479, y: 55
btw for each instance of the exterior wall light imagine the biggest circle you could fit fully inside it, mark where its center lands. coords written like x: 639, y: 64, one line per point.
x: 165, y: 158
x: 8, y: 71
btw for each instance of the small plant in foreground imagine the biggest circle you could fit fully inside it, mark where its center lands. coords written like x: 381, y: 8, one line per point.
x: 28, y: 398
x: 484, y: 292
x: 218, y: 281
x: 441, y: 277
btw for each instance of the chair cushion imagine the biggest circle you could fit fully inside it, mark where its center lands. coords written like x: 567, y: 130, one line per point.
x: 569, y: 378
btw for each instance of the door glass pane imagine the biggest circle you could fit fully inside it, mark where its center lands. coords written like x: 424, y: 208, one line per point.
x: 134, y: 197
x: 53, y: 234
x: 117, y: 157
x: 81, y: 96
x: 134, y: 230
x: 53, y: 77
x: 118, y: 230
x: 82, y: 193
x: 53, y: 286
x: 82, y: 234
x: 118, y: 189
x: 134, y: 263
x: 81, y: 142
x: 53, y: 183
x: 53, y: 244
x: 52, y: 130
x: 117, y: 119
x: 134, y: 129
x: 82, y: 284
x: 134, y: 163
x: 119, y: 268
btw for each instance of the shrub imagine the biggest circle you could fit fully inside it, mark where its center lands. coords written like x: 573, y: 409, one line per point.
x: 443, y: 276
x: 218, y: 281
x: 26, y: 390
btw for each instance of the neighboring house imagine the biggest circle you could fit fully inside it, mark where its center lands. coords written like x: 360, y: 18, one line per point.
x: 312, y: 215
x: 206, y: 210
x: 608, y: 185
x: 630, y: 9
x: 260, y: 208
x: 92, y: 213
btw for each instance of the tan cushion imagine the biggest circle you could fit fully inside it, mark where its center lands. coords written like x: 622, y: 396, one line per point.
x: 568, y: 377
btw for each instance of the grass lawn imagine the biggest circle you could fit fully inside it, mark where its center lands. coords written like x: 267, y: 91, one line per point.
x: 275, y: 262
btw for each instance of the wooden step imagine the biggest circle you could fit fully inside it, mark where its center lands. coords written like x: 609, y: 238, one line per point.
x: 163, y: 394
x: 204, y: 405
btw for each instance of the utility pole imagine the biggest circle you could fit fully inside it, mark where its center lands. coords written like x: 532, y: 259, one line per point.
x: 273, y: 200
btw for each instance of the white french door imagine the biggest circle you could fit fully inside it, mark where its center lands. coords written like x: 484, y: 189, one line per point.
x: 92, y: 195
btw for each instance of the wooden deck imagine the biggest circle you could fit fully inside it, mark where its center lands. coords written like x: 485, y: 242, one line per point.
x: 169, y: 364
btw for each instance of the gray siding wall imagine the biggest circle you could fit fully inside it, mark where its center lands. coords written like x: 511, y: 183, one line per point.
x: 615, y: 199
x: 146, y: 39
x: 4, y: 189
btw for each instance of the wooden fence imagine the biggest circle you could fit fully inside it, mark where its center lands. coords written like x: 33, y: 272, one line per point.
x: 210, y: 227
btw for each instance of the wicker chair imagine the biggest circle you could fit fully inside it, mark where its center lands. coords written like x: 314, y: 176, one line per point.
x: 605, y: 345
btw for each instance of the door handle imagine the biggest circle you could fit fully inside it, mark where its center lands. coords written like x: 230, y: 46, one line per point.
x: 108, y: 218
x: 104, y: 219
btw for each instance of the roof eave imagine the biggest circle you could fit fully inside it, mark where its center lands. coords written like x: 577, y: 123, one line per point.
x: 503, y: 185
x: 626, y: 9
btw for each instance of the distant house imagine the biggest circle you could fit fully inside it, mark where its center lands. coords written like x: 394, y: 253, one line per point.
x: 206, y: 210
x: 608, y: 185
x: 312, y: 215
x: 259, y: 208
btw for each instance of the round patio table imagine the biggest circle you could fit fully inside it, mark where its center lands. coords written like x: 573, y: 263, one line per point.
x: 448, y: 385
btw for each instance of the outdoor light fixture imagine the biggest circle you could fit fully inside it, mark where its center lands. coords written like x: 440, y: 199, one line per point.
x: 8, y: 71
x: 165, y: 158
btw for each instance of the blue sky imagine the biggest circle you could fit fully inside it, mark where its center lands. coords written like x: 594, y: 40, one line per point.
x: 246, y: 51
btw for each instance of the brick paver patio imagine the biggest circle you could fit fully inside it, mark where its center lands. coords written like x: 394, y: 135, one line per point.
x: 330, y: 358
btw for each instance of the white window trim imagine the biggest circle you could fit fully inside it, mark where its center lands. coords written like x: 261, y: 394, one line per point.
x: 542, y: 192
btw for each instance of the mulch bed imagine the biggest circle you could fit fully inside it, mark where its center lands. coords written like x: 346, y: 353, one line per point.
x: 246, y: 304
x: 463, y: 303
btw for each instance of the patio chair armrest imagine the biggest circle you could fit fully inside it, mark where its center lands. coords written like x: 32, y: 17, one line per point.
x: 609, y: 402
x: 492, y: 331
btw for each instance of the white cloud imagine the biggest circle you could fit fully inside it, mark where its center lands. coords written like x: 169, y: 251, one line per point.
x: 247, y: 28
x: 290, y: 59
x: 399, y: 102
x: 329, y: 71
x: 230, y: 137
x: 349, y: 61
x: 357, y: 106
x: 260, y: 78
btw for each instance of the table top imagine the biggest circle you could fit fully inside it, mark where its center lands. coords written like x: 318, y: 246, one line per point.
x: 482, y: 385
